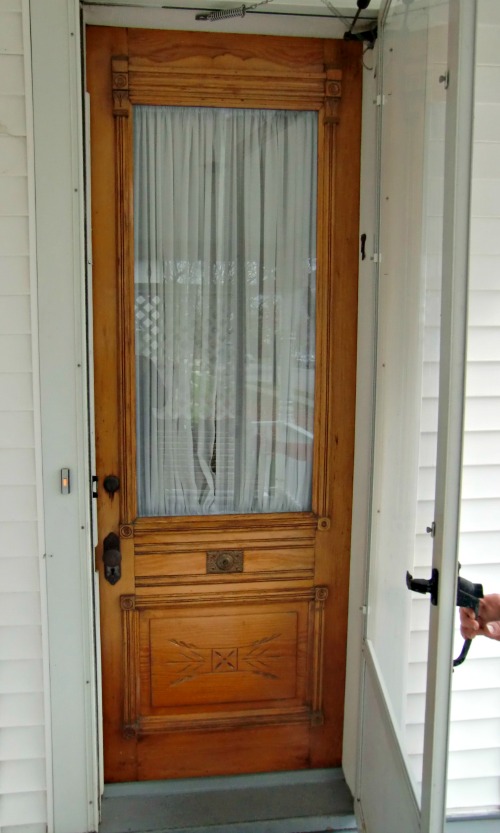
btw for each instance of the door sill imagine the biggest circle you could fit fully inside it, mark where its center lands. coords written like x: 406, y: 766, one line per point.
x: 284, y: 802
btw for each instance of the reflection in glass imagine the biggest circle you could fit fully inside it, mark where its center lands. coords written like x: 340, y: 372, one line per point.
x: 225, y: 248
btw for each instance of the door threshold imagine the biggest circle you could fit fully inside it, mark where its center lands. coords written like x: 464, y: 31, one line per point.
x: 284, y: 802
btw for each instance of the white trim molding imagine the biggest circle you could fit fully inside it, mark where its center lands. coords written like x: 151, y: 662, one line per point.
x: 60, y: 228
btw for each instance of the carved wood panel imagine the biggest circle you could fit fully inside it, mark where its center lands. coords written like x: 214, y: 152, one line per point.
x: 230, y: 659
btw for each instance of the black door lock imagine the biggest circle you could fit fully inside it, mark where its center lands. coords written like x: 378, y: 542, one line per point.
x: 112, y: 558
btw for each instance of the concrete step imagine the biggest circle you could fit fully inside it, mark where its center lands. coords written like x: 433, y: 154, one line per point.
x: 312, y: 801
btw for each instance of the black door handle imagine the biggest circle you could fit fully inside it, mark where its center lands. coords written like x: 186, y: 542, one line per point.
x: 112, y: 558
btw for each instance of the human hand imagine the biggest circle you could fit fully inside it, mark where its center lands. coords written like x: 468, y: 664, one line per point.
x: 487, y: 622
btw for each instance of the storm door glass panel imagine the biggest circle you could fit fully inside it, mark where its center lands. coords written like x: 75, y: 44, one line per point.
x: 225, y: 259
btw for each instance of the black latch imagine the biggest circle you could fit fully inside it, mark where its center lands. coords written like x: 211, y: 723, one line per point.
x: 423, y: 585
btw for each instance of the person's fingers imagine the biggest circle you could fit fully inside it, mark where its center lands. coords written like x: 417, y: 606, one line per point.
x: 469, y: 626
x: 492, y: 630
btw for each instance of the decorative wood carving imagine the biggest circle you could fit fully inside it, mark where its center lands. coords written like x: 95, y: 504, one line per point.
x: 325, y: 300
x: 226, y: 596
x: 333, y: 94
x: 249, y: 87
x: 318, y: 619
x: 125, y: 284
x: 120, y: 86
x: 224, y: 81
x: 206, y: 666
x: 130, y: 647
x: 164, y: 582
x: 291, y: 526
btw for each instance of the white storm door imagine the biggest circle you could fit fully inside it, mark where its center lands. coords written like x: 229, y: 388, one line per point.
x: 425, y: 97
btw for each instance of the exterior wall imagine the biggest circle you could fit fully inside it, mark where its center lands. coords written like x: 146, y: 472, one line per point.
x: 24, y: 751
x: 23, y: 804
x: 474, y: 757
x: 474, y: 762
x: 431, y: 264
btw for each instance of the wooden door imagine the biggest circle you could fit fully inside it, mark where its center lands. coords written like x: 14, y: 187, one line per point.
x: 224, y: 639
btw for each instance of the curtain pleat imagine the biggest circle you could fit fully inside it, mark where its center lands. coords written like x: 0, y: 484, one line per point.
x: 225, y: 254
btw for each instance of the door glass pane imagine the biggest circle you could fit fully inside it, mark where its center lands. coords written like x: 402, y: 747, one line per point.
x: 225, y: 261
x: 411, y: 205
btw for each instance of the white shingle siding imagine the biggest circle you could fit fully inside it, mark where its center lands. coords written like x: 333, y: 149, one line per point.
x: 475, y: 729
x: 474, y: 761
x: 23, y: 801
x: 475, y: 723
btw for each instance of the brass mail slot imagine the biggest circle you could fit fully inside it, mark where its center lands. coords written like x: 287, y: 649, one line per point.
x: 225, y: 561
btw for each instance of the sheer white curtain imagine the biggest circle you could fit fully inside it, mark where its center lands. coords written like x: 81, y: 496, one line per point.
x: 225, y: 248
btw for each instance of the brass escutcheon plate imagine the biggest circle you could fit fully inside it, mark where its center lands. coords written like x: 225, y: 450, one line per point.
x: 225, y: 561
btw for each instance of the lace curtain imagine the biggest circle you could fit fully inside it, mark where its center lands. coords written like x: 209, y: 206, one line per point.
x: 225, y: 248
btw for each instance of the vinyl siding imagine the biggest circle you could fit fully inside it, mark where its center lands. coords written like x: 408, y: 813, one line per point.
x: 23, y: 802
x: 475, y: 729
x: 431, y: 260
x: 474, y: 760
x: 474, y: 750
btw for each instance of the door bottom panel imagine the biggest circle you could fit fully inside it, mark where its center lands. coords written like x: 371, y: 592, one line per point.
x: 223, y: 661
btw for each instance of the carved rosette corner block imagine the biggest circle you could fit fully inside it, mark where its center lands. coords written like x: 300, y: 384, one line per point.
x: 333, y: 94
x: 321, y: 594
x: 120, y: 86
x: 126, y: 531
x: 323, y: 524
x: 127, y: 602
x: 317, y: 719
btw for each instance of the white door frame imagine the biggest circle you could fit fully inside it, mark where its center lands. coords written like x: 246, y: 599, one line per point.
x: 60, y: 227
x: 61, y: 265
x: 60, y: 243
